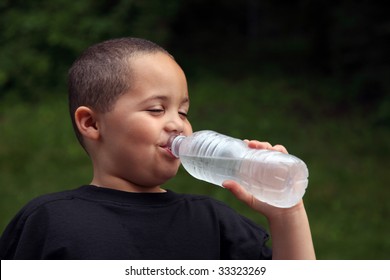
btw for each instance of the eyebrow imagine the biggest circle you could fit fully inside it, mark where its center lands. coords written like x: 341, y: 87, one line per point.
x: 165, y: 98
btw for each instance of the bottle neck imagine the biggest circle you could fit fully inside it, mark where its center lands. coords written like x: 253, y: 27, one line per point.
x: 174, y: 144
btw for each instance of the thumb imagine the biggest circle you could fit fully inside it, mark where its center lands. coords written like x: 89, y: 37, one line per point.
x: 243, y: 195
x: 238, y: 191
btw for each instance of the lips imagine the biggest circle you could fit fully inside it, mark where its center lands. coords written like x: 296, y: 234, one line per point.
x: 168, y: 149
x: 167, y: 146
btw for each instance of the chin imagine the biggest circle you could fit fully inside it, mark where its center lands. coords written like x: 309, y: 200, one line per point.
x: 168, y: 175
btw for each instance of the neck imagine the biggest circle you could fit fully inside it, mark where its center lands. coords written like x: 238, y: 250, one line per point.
x: 122, y: 185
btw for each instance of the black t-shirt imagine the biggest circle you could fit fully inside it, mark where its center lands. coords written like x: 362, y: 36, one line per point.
x: 99, y: 223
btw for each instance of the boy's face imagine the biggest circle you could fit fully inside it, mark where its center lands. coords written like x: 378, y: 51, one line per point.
x: 134, y: 134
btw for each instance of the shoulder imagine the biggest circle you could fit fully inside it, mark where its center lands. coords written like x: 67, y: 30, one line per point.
x: 44, y: 203
x: 28, y: 227
x: 48, y: 199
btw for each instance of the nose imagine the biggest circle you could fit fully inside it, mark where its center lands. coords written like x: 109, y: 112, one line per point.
x: 174, y: 124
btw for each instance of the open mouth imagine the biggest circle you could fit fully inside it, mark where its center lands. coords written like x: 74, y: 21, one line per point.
x: 168, y: 146
x: 168, y: 149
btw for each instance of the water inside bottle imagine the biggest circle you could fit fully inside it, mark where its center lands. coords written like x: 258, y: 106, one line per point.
x: 278, y: 184
x: 211, y: 169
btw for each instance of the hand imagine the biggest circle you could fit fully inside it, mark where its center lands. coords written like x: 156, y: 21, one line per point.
x: 240, y: 193
x: 266, y: 209
x: 254, y: 144
x: 289, y: 227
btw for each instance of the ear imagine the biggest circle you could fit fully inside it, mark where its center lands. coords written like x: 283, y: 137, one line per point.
x: 86, y: 121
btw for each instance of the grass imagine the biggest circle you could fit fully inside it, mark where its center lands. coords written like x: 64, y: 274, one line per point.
x: 347, y: 154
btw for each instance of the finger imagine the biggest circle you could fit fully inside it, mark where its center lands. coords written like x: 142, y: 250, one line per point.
x: 254, y: 144
x: 238, y: 191
x: 280, y: 148
x: 244, y: 196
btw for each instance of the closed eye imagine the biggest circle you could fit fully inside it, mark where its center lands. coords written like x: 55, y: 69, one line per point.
x: 184, y: 114
x: 156, y: 111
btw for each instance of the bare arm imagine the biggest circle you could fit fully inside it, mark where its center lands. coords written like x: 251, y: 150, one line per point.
x: 289, y: 227
x: 291, y: 236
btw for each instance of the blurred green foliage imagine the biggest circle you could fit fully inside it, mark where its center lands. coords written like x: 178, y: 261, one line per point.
x: 312, y: 75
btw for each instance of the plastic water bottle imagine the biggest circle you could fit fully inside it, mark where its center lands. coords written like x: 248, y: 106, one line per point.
x: 273, y: 177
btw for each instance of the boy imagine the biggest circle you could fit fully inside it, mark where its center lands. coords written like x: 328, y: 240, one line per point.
x: 127, y: 97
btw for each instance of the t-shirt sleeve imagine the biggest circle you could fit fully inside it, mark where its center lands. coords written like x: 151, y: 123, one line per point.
x: 24, y: 236
x: 242, y: 238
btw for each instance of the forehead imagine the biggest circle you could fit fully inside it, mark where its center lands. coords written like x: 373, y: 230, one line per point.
x: 152, y: 61
x: 157, y: 74
x: 156, y: 68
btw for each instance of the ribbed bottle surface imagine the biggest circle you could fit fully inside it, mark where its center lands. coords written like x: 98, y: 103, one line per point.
x: 272, y: 177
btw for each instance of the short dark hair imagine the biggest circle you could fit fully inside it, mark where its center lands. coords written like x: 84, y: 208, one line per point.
x: 103, y: 73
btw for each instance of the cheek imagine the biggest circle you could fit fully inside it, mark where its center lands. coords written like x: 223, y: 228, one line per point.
x: 130, y: 124
x: 187, y: 129
x: 142, y: 131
